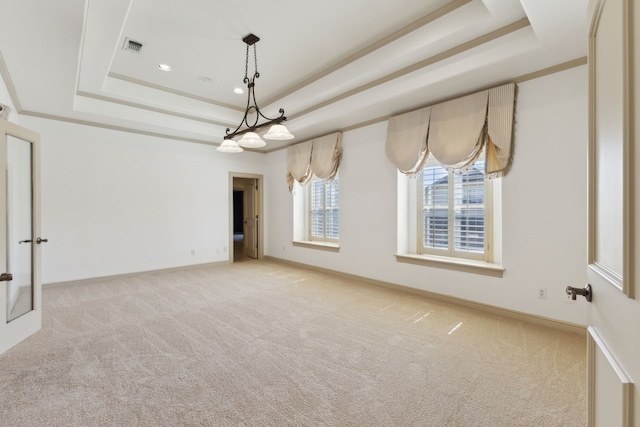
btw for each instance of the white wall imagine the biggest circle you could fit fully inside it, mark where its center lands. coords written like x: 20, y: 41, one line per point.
x: 544, y: 209
x: 116, y: 202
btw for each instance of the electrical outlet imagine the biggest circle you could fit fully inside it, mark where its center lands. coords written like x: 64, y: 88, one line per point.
x: 193, y: 251
x: 542, y: 293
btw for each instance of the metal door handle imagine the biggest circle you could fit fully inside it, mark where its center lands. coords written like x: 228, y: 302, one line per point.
x: 586, y: 292
x: 39, y: 240
x: 24, y: 241
x: 5, y: 277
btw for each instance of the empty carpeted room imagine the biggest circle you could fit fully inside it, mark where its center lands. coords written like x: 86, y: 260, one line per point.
x: 337, y: 213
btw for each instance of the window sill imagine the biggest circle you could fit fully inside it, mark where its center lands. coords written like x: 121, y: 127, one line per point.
x: 457, y: 264
x: 324, y: 246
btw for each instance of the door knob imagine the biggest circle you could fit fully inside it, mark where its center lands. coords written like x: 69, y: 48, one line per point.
x: 39, y: 240
x: 586, y: 292
x: 24, y: 241
x: 6, y: 277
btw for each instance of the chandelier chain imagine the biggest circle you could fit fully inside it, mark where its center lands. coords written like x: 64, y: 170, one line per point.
x: 246, y: 66
x: 255, y: 58
x: 255, y: 64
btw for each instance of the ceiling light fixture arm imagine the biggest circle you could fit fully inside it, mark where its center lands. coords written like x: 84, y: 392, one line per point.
x: 252, y: 105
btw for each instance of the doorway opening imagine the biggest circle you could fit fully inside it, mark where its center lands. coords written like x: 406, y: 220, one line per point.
x: 245, y: 217
x: 238, y: 224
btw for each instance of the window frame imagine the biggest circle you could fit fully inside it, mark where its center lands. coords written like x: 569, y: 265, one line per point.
x: 309, y: 212
x: 451, y: 252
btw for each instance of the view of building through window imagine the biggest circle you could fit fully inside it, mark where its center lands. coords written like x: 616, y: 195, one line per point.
x: 324, y: 210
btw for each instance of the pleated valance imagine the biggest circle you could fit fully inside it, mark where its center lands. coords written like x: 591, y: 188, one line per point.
x: 406, y: 143
x: 320, y: 157
x: 500, y: 129
x: 455, y: 132
x: 299, y: 163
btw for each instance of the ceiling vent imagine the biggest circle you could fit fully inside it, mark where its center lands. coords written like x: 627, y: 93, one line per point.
x: 132, y: 45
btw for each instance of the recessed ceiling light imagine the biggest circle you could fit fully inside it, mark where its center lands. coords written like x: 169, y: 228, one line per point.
x: 238, y: 90
x: 164, y: 67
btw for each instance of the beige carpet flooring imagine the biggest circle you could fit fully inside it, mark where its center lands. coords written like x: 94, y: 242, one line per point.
x: 265, y: 344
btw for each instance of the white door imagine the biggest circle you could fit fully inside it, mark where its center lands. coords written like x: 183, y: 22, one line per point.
x: 614, y: 207
x: 20, y: 296
x: 250, y: 219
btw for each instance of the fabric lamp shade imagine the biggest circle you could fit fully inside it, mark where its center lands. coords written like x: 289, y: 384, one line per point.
x: 251, y: 140
x: 278, y: 133
x: 229, y: 146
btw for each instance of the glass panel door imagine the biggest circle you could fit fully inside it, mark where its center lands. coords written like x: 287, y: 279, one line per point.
x: 20, y: 241
x: 19, y: 206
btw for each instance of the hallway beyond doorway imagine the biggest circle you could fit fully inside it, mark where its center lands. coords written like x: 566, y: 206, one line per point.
x: 238, y: 248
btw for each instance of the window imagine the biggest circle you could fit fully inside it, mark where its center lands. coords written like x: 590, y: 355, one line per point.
x: 324, y: 222
x: 455, y: 215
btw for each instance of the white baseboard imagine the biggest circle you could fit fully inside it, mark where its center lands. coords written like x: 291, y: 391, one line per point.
x: 531, y: 318
x: 139, y: 273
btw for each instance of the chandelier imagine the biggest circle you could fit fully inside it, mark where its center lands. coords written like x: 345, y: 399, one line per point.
x: 250, y: 139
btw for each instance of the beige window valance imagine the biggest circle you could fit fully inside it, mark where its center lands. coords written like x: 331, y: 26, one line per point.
x: 299, y: 163
x: 406, y: 143
x: 320, y: 157
x: 455, y: 132
x: 500, y: 129
x: 326, y: 155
